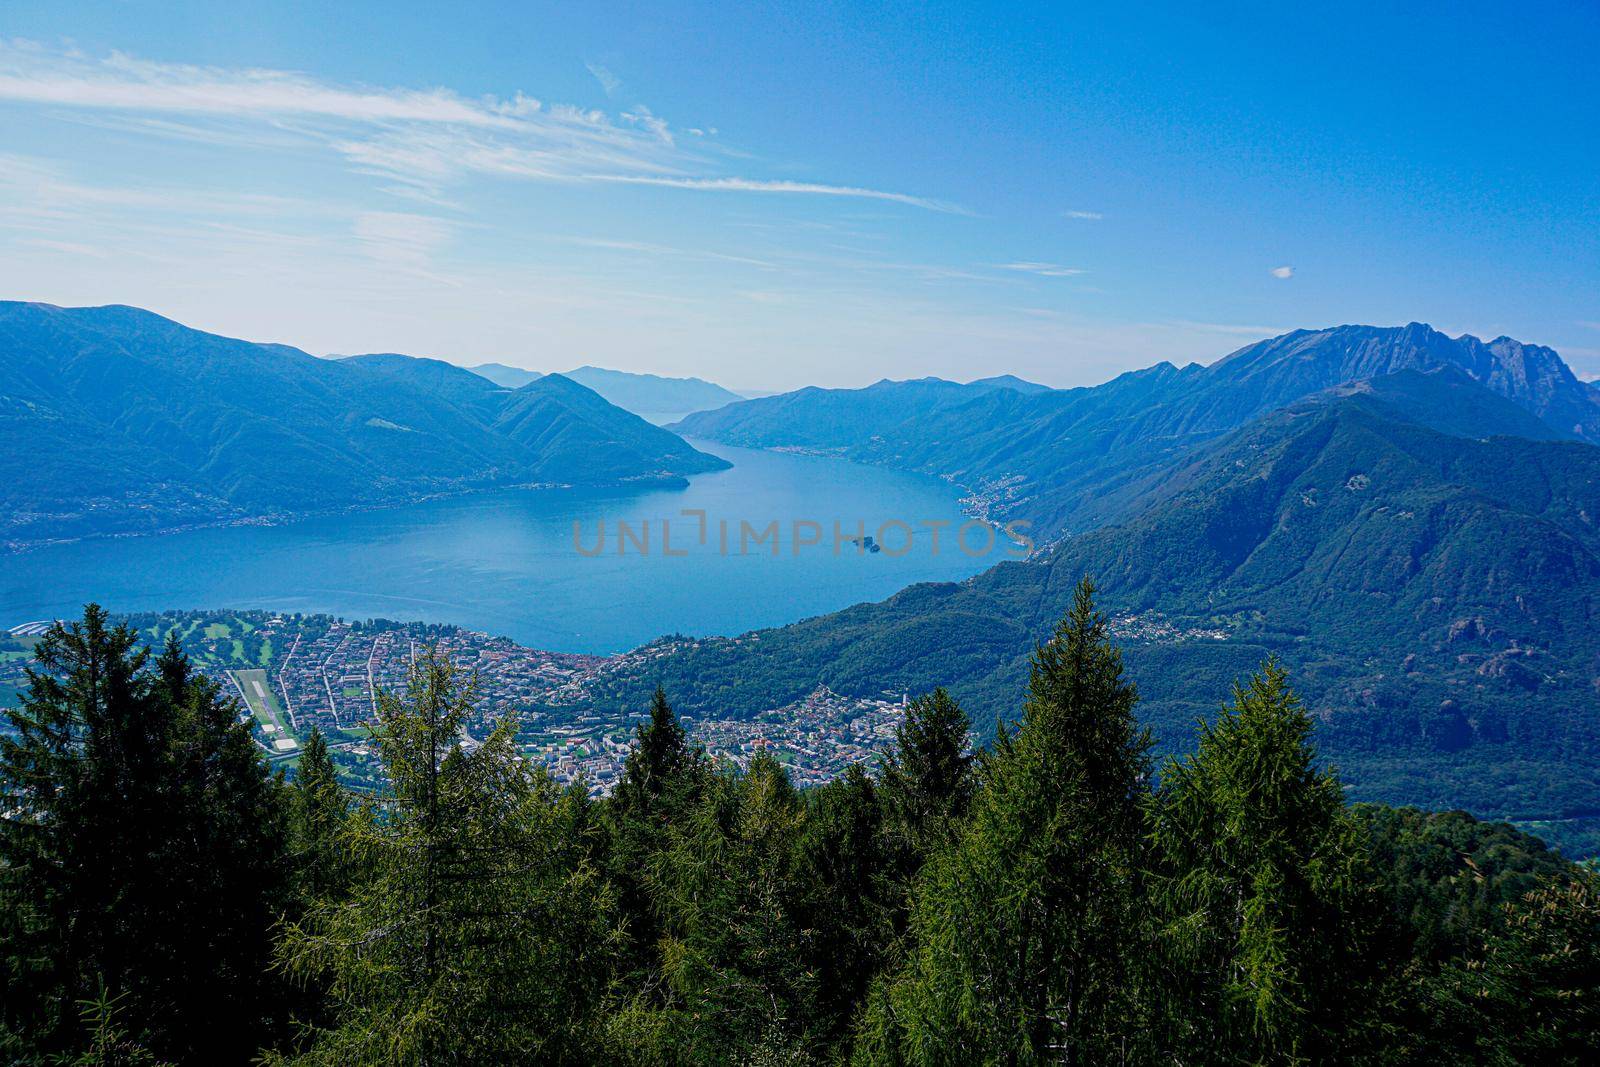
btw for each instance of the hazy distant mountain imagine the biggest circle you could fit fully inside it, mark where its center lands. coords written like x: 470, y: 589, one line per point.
x: 1434, y: 594
x: 855, y: 422
x: 120, y: 419
x: 508, y: 377
x: 1050, y: 456
x: 651, y: 394
x: 645, y: 394
x: 567, y: 425
x: 1010, y: 381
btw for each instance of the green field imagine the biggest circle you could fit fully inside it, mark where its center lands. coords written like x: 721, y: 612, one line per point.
x: 263, y: 704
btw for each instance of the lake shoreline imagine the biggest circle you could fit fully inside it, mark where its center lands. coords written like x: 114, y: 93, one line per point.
x: 283, y: 518
x: 506, y: 560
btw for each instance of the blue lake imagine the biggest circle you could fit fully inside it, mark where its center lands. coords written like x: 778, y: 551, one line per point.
x: 508, y: 562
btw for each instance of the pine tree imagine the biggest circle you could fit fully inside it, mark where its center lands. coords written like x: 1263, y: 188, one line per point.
x: 1265, y: 890
x: 319, y: 806
x: 660, y: 757
x: 478, y: 931
x: 1021, y: 927
x: 660, y: 783
x: 849, y: 895
x: 143, y: 853
x: 733, y: 950
x: 927, y: 776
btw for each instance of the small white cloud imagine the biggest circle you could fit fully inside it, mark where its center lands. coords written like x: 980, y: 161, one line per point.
x: 1044, y: 270
x: 608, y: 81
x: 1090, y: 216
x: 1283, y: 272
x: 1591, y: 324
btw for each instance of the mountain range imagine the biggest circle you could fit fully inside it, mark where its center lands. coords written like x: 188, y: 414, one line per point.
x: 1405, y: 519
x: 1052, y: 456
x: 134, y: 422
x: 643, y: 394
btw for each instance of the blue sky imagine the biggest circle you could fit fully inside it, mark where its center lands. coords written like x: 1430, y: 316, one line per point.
x: 777, y: 195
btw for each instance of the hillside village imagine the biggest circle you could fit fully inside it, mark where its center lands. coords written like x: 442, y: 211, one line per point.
x: 290, y: 673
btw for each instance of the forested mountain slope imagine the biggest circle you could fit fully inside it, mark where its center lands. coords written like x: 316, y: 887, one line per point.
x: 1051, y: 457
x: 131, y: 421
x: 1435, y: 595
x: 577, y: 435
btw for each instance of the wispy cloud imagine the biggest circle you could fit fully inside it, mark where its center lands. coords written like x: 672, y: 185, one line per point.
x: 1593, y: 325
x: 648, y: 248
x: 749, y: 185
x: 39, y: 190
x: 1044, y: 270
x: 643, y: 118
x: 608, y: 81
x: 422, y: 139
x: 32, y: 73
x: 1283, y: 272
x: 402, y: 239
x: 1087, y: 216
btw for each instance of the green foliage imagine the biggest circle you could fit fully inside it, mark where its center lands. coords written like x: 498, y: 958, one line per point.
x: 142, y: 852
x: 1447, y: 875
x: 319, y: 808
x: 662, y: 780
x: 927, y: 776
x: 477, y: 927
x: 1531, y: 992
x: 1043, y: 902
x: 109, y: 1044
x: 1264, y: 891
x: 851, y: 872
x: 733, y: 953
x: 1021, y: 929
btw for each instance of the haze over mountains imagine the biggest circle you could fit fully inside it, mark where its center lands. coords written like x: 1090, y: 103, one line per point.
x: 642, y: 394
x: 134, y: 422
x: 504, y: 376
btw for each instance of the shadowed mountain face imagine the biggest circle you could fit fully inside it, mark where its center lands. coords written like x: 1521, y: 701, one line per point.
x: 136, y: 422
x: 1433, y: 592
x: 1051, y: 457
